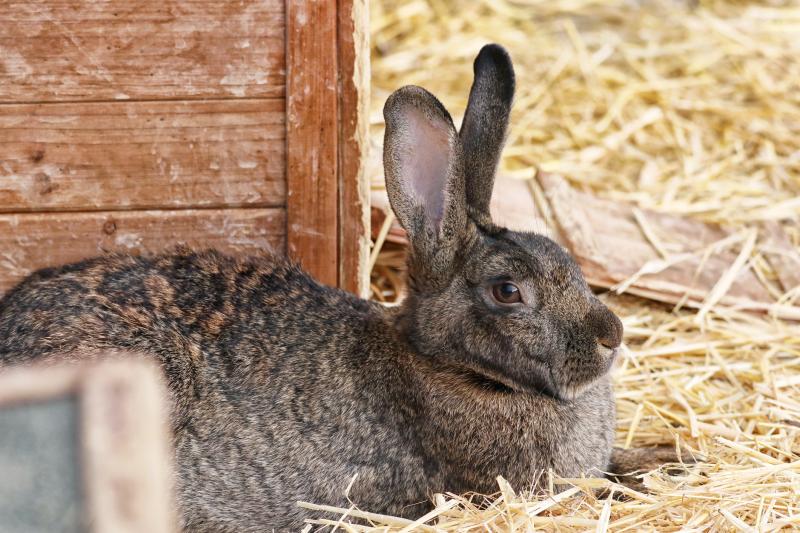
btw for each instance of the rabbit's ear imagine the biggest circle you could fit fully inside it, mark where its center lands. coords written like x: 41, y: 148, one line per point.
x: 422, y: 158
x: 483, y: 131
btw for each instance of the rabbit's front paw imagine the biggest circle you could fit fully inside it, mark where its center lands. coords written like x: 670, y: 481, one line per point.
x: 627, y: 465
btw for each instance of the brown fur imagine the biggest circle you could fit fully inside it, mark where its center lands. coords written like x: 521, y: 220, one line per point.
x: 283, y: 390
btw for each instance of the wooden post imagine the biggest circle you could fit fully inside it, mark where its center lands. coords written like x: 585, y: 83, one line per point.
x: 354, y: 79
x: 312, y: 230
x: 327, y: 202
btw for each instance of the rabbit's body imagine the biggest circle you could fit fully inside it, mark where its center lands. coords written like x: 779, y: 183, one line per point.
x: 240, y: 342
x: 282, y: 390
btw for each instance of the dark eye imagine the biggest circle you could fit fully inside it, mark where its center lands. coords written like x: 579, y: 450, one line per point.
x: 506, y: 293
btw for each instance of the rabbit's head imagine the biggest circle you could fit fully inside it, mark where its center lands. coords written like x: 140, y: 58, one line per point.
x: 510, y: 308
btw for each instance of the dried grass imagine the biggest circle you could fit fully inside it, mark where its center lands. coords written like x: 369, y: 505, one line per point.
x: 687, y: 109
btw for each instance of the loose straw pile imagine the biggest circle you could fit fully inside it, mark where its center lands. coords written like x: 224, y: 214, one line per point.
x: 690, y: 109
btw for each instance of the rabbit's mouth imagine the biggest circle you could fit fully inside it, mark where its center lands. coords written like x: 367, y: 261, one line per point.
x: 571, y: 387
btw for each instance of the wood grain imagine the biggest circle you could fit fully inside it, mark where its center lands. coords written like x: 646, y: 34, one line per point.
x: 36, y: 240
x: 312, y: 137
x: 136, y: 110
x: 781, y: 255
x: 80, y: 50
x: 354, y: 217
x: 102, y: 156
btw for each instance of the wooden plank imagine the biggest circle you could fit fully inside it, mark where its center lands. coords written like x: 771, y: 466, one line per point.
x: 88, y: 445
x: 126, y: 447
x: 354, y: 217
x: 105, y: 156
x: 312, y: 136
x: 781, y: 255
x: 35, y: 240
x: 80, y: 50
x: 613, y: 243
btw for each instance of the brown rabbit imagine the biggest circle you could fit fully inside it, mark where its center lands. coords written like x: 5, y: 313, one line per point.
x: 283, y: 390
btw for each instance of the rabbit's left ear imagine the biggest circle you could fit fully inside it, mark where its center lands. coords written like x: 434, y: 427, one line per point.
x: 485, y: 125
x: 424, y: 173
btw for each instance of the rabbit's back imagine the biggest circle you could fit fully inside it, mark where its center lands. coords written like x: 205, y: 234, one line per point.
x: 171, y: 305
x: 271, y: 374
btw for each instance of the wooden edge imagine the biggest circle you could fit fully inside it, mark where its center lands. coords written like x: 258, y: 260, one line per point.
x: 312, y: 137
x: 126, y: 449
x: 354, y: 208
x: 125, y: 452
x: 27, y: 384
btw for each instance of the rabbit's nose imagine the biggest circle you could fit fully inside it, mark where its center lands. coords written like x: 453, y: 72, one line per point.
x: 607, y: 327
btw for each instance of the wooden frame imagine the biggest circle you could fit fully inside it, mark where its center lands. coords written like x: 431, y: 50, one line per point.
x: 327, y: 97
x: 123, y: 437
x: 240, y: 126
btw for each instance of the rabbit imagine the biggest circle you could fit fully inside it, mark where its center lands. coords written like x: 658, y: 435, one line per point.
x: 284, y: 390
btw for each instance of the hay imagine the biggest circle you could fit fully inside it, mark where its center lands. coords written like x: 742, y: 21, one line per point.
x: 693, y: 110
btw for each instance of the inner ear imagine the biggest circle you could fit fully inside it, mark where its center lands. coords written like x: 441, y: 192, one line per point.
x: 424, y: 169
x: 427, y: 145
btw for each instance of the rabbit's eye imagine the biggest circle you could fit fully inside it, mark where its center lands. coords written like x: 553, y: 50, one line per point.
x: 506, y: 293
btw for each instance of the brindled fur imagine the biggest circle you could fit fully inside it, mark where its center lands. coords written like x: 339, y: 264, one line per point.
x: 283, y: 389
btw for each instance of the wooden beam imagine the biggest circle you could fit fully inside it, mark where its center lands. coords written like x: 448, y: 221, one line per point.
x: 312, y: 137
x: 354, y: 77
x: 105, y: 425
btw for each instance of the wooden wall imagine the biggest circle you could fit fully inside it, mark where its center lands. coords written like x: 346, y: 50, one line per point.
x: 139, y: 125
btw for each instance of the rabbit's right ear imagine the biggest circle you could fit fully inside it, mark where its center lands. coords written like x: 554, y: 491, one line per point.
x: 422, y: 159
x: 483, y: 131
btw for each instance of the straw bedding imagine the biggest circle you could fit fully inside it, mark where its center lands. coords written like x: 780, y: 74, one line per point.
x: 691, y: 109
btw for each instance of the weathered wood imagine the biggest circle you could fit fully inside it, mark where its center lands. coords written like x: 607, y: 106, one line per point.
x: 89, y: 445
x: 36, y: 240
x: 612, y: 247
x: 102, y: 156
x: 232, y: 104
x: 125, y: 438
x: 781, y: 255
x: 312, y: 137
x: 353, y: 36
x: 80, y: 50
